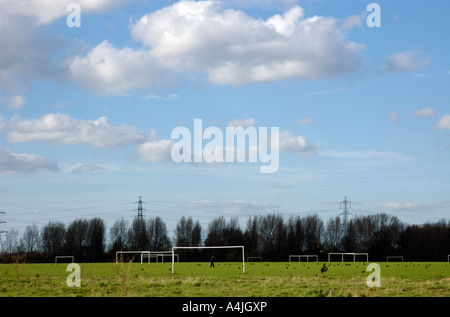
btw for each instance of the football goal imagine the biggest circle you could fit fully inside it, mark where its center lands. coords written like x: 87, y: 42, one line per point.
x: 157, y: 255
x: 70, y: 257
x: 120, y: 255
x: 352, y: 255
x: 398, y: 258
x: 307, y: 256
x: 217, y: 247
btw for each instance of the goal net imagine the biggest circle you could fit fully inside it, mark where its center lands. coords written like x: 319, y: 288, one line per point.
x: 216, y: 247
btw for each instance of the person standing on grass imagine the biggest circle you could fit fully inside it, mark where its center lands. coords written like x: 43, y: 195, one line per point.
x: 212, y: 262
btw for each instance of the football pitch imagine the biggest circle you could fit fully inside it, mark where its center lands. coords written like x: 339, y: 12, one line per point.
x: 226, y: 279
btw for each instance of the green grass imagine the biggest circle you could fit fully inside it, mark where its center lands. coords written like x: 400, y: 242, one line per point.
x: 274, y: 279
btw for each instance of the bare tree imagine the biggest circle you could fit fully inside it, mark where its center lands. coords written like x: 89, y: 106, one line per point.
x: 215, y: 235
x: 334, y: 234
x: 76, y: 237
x: 313, y: 233
x: 137, y: 235
x: 188, y: 233
x: 272, y: 236
x: 295, y: 234
x: 53, y: 237
x: 11, y: 243
x: 119, y: 235
x: 251, y: 236
x: 31, y: 239
x: 157, y: 234
x: 96, y: 238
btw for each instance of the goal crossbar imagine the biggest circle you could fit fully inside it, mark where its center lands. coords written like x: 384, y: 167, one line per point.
x: 216, y: 247
x: 64, y: 257
x: 307, y: 256
x: 348, y: 253
x: 394, y: 257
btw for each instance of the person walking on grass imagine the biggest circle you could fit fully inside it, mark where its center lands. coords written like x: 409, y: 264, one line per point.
x: 212, y: 262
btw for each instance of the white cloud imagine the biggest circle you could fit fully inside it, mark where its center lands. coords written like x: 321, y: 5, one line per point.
x: 235, y: 207
x: 425, y: 112
x: 63, y: 129
x: 107, y: 70
x: 24, y: 163
x: 244, y: 123
x: 405, y: 61
x: 229, y: 46
x: 16, y: 102
x: 393, y: 117
x: 422, y: 207
x: 33, y: 53
x: 368, y: 158
x: 305, y: 120
x: 354, y: 21
x: 155, y: 150
x: 86, y: 168
x: 46, y: 12
x: 443, y: 123
x: 297, y: 144
x: 279, y: 186
x: 26, y: 54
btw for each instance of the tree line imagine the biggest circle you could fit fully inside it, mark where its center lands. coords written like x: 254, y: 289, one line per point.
x: 271, y: 237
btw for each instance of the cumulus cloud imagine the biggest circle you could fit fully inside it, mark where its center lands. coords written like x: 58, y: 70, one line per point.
x: 63, y: 129
x: 393, y: 117
x: 227, y: 45
x: 28, y: 52
x: 24, y: 163
x: 297, y: 144
x: 425, y: 112
x: 16, y: 102
x: 405, y: 61
x: 108, y: 70
x: 443, y: 123
x: 157, y: 150
x: 46, y: 12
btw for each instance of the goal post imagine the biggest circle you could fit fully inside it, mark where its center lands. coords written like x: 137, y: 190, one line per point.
x: 157, y: 255
x: 353, y: 254
x: 216, y: 247
x: 398, y: 257
x: 143, y: 254
x: 307, y: 256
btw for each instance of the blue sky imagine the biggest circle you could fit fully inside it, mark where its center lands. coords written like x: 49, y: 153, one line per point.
x: 87, y: 112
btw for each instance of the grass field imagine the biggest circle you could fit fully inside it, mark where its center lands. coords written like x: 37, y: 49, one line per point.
x: 272, y: 279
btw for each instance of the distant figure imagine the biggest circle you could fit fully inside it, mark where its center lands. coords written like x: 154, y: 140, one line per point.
x: 212, y: 262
